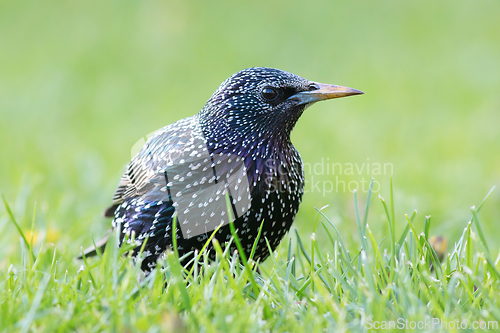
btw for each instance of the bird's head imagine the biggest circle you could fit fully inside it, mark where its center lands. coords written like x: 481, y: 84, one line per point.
x: 263, y: 102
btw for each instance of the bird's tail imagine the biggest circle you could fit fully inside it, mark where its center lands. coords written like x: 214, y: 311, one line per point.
x: 92, y: 251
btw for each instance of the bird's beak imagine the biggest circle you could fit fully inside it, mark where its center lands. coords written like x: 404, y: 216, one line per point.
x: 323, y: 92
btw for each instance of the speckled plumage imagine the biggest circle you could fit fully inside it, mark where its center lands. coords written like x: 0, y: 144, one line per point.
x: 239, y: 137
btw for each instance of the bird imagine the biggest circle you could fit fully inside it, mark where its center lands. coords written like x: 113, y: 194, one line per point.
x: 233, y: 162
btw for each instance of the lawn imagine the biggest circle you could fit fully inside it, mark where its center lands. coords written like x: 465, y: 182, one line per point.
x: 82, y: 82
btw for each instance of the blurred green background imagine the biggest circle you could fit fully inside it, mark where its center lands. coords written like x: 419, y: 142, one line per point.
x: 81, y: 82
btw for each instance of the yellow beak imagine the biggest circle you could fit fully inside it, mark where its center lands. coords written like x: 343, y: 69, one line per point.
x: 324, y: 92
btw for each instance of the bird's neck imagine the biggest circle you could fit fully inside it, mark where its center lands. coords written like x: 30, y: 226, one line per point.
x: 264, y: 153
x: 249, y: 133
x: 258, y: 142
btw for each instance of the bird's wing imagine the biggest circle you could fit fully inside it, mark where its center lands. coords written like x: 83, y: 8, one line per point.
x: 163, y: 148
x: 175, y: 162
x: 175, y: 165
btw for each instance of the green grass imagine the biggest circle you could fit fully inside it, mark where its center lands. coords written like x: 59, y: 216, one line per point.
x: 82, y: 81
x: 301, y: 289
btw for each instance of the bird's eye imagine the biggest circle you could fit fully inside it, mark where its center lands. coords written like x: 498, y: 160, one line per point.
x: 270, y: 94
x: 312, y: 87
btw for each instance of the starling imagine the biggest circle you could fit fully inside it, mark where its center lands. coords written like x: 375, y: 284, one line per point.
x: 237, y: 149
